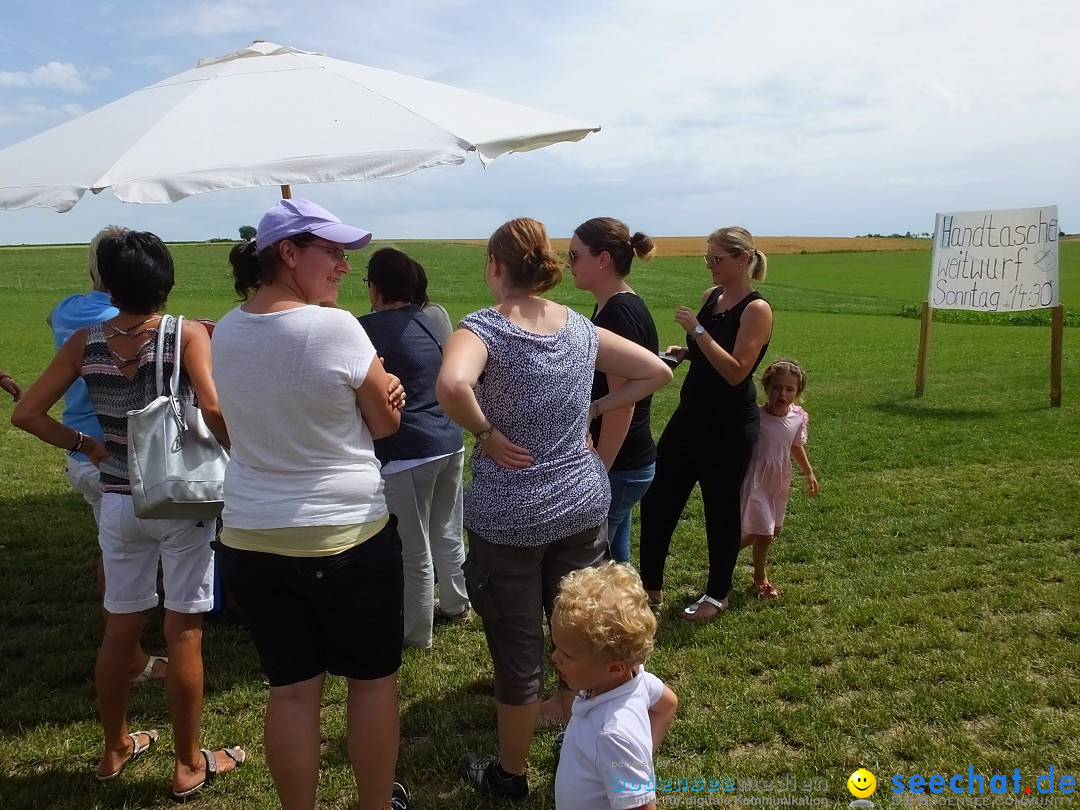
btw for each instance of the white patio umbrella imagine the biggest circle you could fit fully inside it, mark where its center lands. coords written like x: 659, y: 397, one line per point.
x: 267, y: 115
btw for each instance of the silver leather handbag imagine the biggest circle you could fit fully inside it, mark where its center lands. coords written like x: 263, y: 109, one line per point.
x: 175, y: 464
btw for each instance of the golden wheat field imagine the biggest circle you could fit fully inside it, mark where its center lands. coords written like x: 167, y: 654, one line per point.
x: 694, y: 245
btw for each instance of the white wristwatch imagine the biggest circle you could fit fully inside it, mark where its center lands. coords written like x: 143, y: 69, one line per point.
x: 699, y: 330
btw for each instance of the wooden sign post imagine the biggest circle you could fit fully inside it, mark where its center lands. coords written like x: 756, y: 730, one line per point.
x: 924, y: 348
x: 1057, y: 329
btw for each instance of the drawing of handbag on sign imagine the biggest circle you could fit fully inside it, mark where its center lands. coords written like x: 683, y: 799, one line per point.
x: 1046, y: 261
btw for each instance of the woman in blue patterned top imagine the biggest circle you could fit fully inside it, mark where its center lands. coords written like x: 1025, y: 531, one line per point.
x: 518, y: 376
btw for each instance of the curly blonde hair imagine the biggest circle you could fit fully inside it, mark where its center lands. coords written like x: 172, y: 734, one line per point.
x: 609, y: 608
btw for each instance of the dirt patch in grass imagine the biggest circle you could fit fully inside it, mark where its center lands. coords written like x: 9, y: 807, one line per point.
x: 979, y: 728
x: 763, y: 751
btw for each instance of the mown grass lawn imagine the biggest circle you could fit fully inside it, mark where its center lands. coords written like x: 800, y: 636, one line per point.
x: 929, y: 619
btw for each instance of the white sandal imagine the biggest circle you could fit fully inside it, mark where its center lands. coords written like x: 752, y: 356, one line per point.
x: 690, y: 611
x: 147, y: 674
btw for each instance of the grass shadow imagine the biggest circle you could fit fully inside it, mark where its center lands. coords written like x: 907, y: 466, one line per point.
x: 51, y: 612
x: 919, y: 409
x: 70, y: 789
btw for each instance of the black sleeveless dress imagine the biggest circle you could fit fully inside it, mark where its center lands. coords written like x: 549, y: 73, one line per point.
x: 705, y: 394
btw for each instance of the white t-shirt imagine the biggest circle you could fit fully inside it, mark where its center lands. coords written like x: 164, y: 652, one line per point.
x: 606, y: 757
x: 301, y: 453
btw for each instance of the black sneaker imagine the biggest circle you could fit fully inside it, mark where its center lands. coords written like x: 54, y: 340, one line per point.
x: 483, y: 774
x: 399, y: 798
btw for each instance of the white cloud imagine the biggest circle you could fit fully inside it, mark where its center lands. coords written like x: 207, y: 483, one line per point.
x: 55, y: 75
x: 215, y: 19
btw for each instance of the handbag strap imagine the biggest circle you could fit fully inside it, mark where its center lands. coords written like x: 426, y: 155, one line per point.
x: 159, y: 357
x: 175, y: 382
x: 420, y: 323
x: 159, y: 361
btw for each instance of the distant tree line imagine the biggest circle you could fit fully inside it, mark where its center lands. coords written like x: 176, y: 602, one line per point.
x: 908, y: 235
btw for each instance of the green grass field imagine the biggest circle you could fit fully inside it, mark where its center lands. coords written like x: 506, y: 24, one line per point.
x: 929, y: 620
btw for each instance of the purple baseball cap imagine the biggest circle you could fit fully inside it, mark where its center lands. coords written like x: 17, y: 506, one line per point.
x: 297, y: 215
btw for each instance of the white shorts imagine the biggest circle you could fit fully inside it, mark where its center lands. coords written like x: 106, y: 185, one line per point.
x: 85, y: 479
x: 131, y: 548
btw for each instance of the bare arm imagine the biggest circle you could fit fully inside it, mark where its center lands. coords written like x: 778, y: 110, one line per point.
x: 195, y: 358
x: 661, y: 716
x: 642, y: 371
x: 32, y: 411
x: 464, y: 358
x: 613, y: 427
x: 755, y: 326
x: 9, y: 385
x: 373, y: 397
x: 798, y: 452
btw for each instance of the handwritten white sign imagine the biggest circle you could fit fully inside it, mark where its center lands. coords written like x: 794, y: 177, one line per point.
x: 995, y: 261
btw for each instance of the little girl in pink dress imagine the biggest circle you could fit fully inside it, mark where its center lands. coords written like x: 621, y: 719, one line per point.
x: 768, y: 479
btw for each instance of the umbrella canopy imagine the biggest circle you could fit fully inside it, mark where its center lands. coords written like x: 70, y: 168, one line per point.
x: 267, y: 115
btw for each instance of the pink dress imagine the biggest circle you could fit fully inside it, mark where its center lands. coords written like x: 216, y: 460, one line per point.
x: 768, y: 479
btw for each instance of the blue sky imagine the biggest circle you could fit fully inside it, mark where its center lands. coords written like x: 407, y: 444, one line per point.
x: 831, y: 118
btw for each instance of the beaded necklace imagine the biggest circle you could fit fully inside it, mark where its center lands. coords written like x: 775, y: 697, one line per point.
x: 116, y: 330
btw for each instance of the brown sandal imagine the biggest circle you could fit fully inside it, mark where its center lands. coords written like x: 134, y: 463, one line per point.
x: 546, y: 721
x: 767, y: 591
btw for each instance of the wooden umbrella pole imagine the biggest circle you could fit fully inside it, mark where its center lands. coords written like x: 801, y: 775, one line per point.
x: 286, y: 192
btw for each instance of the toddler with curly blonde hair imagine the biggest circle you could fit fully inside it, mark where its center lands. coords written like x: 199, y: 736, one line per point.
x: 602, y: 629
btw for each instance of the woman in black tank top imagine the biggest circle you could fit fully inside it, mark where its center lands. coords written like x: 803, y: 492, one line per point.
x: 709, y: 438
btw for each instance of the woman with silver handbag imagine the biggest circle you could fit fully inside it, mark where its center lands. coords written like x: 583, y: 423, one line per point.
x: 118, y: 361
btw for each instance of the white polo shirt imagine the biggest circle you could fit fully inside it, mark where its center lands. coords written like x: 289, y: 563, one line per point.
x: 606, y: 758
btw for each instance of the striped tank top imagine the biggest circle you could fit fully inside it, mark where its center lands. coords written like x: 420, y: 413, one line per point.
x: 113, y: 395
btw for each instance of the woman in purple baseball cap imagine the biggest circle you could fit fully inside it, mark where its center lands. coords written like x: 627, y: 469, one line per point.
x: 308, y: 545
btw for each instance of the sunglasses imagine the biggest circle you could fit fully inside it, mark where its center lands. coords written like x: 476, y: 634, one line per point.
x: 572, y: 256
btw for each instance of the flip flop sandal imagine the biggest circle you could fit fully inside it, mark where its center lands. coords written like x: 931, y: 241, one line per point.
x: 234, y: 753
x: 147, y: 674
x: 137, y: 750
x: 690, y: 611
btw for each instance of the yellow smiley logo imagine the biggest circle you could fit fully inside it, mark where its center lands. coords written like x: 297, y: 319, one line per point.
x: 862, y: 783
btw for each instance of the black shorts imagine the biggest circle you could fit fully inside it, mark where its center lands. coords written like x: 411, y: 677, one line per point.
x: 340, y: 614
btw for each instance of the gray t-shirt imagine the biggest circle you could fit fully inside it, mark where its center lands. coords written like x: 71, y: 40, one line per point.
x: 438, y: 315
x: 535, y: 389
